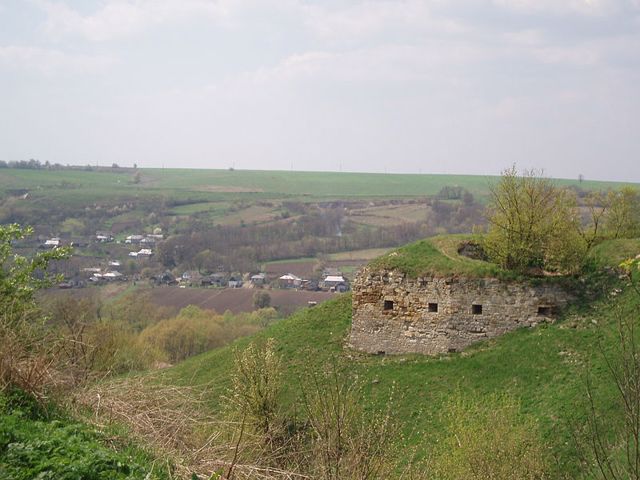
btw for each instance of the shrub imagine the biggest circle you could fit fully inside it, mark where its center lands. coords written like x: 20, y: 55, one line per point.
x: 533, y: 224
x: 261, y: 300
x: 488, y: 438
x: 195, y: 330
x: 26, y: 346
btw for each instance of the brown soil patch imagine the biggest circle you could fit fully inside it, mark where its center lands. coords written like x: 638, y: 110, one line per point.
x: 301, y: 269
x: 235, y: 300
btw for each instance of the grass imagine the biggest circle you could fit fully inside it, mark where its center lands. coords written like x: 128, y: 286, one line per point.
x: 35, y: 443
x: 212, y: 208
x: 613, y: 252
x: 544, y: 367
x: 437, y: 256
x: 78, y: 187
x: 390, y: 215
x: 366, y: 254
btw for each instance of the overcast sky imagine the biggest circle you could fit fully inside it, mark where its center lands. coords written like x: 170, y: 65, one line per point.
x: 432, y: 86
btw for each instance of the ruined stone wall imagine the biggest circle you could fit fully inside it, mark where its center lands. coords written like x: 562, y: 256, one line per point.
x: 396, y: 314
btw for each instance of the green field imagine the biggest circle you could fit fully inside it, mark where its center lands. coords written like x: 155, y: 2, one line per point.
x: 213, y: 185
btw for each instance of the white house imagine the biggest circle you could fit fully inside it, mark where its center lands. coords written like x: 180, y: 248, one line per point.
x: 290, y: 280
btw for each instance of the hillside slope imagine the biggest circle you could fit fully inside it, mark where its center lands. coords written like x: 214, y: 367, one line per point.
x: 545, y: 368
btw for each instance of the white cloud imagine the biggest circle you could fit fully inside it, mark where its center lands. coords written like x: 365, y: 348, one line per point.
x: 583, y: 7
x: 122, y: 18
x: 51, y: 62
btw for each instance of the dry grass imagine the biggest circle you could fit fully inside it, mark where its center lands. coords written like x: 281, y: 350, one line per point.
x: 388, y: 215
x: 252, y: 214
x: 173, y: 422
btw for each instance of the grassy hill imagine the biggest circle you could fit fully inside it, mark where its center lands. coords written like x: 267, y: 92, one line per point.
x: 438, y: 256
x: 545, y: 367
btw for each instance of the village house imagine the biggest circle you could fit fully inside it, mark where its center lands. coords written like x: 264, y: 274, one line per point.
x: 134, y: 239
x: 53, y: 242
x: 335, y: 283
x: 165, y: 278
x: 218, y: 279
x: 259, y: 279
x: 113, y: 276
x: 289, y: 280
x: 191, y: 277
x: 143, y: 252
x: 102, y: 237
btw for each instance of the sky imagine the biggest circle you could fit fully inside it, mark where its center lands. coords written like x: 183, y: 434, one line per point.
x: 398, y: 86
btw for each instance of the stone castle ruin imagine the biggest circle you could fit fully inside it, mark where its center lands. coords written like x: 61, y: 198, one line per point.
x: 395, y: 314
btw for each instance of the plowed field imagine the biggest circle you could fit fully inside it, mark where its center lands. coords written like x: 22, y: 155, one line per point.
x: 234, y: 299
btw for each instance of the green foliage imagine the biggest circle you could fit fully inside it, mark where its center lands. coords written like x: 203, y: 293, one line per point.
x: 488, y: 438
x: 610, y: 253
x: 18, y: 274
x: 256, y: 384
x: 34, y: 444
x: 195, y: 330
x: 623, y: 215
x: 137, y: 310
x: 25, y: 345
x: 533, y: 224
x: 117, y: 348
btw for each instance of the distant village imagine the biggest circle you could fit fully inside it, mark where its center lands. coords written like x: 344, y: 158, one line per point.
x: 140, y: 247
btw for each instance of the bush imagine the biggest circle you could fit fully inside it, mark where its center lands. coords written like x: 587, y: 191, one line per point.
x: 261, y: 300
x: 26, y: 346
x: 195, y: 330
x: 533, y: 224
x: 488, y: 438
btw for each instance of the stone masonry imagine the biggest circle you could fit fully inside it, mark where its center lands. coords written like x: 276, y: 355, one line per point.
x: 393, y: 313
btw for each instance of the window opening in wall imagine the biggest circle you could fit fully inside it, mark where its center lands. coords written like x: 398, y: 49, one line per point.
x: 388, y: 305
x: 432, y: 307
x: 476, y: 309
x: 545, y: 311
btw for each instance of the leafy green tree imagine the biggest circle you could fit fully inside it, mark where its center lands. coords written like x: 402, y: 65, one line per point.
x: 623, y: 215
x: 20, y: 276
x: 533, y: 224
x: 24, y: 344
